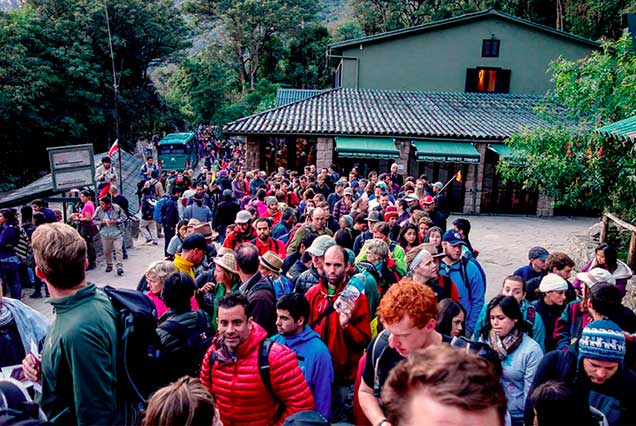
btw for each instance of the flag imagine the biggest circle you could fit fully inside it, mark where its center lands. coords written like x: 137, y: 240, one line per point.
x: 113, y: 149
x: 458, y: 176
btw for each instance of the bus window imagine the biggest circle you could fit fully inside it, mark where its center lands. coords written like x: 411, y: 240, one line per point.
x: 173, y: 149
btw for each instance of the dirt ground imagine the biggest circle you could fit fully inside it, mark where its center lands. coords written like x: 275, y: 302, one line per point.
x: 503, y: 242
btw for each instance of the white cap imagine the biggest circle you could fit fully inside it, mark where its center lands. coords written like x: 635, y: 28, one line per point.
x: 595, y: 276
x: 552, y: 282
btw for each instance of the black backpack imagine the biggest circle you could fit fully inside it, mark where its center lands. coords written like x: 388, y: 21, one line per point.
x: 139, y: 355
x: 194, y: 343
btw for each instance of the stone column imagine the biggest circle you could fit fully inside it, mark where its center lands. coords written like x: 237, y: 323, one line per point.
x: 474, y: 183
x: 545, y: 206
x: 253, y: 153
x: 404, y: 146
x: 324, y: 152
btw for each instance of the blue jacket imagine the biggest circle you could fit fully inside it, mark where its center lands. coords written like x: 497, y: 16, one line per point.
x: 538, y: 329
x: 8, y: 241
x: 472, y: 289
x: 519, y: 368
x: 527, y: 273
x: 315, y: 362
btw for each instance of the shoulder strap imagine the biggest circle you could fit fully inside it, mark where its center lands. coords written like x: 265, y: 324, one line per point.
x: 323, y: 315
x: 263, y: 365
x: 379, y: 346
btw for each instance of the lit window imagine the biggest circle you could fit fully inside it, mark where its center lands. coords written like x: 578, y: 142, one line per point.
x: 487, y: 80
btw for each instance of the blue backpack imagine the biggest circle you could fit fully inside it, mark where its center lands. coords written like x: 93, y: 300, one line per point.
x: 282, y: 285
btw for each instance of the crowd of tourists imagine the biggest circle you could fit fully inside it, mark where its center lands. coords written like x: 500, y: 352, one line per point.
x: 317, y: 297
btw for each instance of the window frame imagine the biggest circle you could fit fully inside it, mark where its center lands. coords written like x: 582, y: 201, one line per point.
x: 490, y: 53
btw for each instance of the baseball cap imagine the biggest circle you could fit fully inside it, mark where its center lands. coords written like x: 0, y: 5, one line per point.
x: 227, y: 192
x: 438, y: 185
x: 340, y: 183
x: 347, y: 191
x: 381, y: 185
x: 453, y: 237
x: 538, y: 253
x: 271, y: 200
x: 595, y: 276
x: 320, y: 245
x: 602, y: 340
x: 355, y: 184
x: 194, y: 241
x: 412, y: 197
x: 243, y: 217
x: 552, y: 282
x: 427, y: 199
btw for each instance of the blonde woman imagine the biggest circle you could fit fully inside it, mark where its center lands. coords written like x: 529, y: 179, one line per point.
x: 155, y: 274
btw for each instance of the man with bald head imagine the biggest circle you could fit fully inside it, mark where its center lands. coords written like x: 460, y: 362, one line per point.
x: 318, y: 226
x: 346, y: 333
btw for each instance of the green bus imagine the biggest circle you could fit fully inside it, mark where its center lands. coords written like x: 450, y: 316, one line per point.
x: 178, y: 151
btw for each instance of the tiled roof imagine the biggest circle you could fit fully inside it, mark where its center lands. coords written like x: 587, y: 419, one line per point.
x: 396, y: 114
x: 288, y: 96
x: 43, y: 187
x: 624, y: 129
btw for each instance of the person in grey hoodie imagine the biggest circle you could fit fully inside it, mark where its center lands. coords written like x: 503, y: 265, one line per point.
x: 314, y: 358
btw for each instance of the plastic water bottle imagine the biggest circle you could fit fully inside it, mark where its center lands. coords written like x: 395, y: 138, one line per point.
x: 347, y: 297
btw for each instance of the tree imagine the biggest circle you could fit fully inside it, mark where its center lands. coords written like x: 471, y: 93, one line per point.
x: 348, y: 30
x: 569, y: 162
x: 247, y: 25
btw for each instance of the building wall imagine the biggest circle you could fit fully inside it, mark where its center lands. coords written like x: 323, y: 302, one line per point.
x: 437, y: 60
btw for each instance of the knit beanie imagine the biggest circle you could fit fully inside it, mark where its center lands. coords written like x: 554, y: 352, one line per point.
x: 602, y: 340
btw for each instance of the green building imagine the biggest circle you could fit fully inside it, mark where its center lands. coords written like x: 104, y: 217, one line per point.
x: 435, y: 99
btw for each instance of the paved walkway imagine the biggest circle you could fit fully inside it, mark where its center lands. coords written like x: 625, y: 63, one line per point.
x: 503, y: 242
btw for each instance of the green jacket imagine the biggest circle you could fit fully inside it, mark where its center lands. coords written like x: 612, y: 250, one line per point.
x: 79, y: 361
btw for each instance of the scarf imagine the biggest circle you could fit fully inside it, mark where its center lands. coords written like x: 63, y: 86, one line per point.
x: 506, y: 345
x: 222, y: 353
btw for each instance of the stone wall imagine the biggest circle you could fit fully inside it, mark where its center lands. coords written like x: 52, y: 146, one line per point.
x: 253, y: 153
x: 474, y: 182
x: 545, y: 206
x: 324, y: 152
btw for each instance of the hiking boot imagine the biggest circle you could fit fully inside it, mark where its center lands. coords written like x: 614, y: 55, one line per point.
x: 120, y: 271
x: 36, y: 295
x: 91, y: 267
x: 155, y: 243
x: 109, y: 268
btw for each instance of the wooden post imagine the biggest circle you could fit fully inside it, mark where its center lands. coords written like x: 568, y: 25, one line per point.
x: 604, y: 223
x: 631, y: 254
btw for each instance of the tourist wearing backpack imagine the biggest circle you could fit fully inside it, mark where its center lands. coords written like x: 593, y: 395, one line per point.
x: 9, y: 260
x: 147, y: 225
x: 271, y: 267
x: 185, y: 334
x: 170, y: 216
x: 251, y: 386
x: 78, y: 367
x: 466, y: 276
x: 313, y: 356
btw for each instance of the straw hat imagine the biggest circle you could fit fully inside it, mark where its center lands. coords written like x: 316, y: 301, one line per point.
x: 227, y: 262
x: 272, y: 261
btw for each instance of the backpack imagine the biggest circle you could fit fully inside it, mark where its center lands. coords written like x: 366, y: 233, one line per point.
x: 168, y: 212
x: 23, y: 247
x: 368, y: 267
x: 147, y: 209
x: 139, y: 355
x: 263, y: 364
x: 282, y: 286
x: 382, y: 343
x: 152, y: 189
x: 195, y: 343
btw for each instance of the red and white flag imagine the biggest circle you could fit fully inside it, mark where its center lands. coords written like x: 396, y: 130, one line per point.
x: 113, y: 149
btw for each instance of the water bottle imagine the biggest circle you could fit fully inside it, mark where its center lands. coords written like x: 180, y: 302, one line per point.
x: 348, y: 296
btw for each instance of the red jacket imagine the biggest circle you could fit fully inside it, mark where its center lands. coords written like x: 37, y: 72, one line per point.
x: 271, y: 244
x: 241, y: 396
x: 234, y: 238
x: 345, y: 345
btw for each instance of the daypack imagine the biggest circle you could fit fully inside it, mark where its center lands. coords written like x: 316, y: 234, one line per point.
x: 195, y: 343
x: 382, y: 342
x: 282, y: 286
x: 23, y: 248
x: 263, y: 365
x: 147, y: 209
x: 139, y: 354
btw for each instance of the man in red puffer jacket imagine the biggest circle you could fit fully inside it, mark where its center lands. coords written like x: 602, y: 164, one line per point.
x: 230, y: 371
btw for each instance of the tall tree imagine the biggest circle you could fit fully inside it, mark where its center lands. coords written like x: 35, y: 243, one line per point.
x: 247, y: 25
x: 569, y: 162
